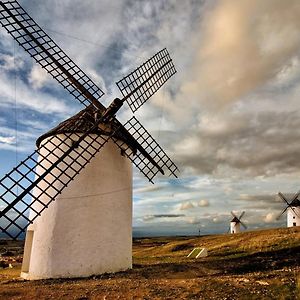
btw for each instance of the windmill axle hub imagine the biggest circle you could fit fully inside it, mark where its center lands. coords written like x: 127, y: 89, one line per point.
x: 112, y: 109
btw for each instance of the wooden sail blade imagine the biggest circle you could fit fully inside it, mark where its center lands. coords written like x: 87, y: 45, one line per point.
x: 294, y: 197
x: 242, y: 214
x: 143, y: 82
x: 282, y: 212
x: 45, y: 173
x: 33, y: 39
x: 283, y: 198
x: 233, y: 214
x: 243, y: 224
x: 149, y: 157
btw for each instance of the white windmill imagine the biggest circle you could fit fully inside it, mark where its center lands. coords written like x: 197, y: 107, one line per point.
x: 235, y: 223
x: 78, y: 214
x: 292, y: 209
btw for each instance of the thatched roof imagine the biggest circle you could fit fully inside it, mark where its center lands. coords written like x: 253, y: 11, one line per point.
x: 295, y: 203
x: 79, y: 123
x: 236, y: 220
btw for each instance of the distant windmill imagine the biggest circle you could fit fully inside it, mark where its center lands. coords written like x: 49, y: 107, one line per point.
x: 88, y: 229
x: 292, y: 209
x: 235, y: 223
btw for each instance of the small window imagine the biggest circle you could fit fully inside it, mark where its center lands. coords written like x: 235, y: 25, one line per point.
x: 294, y: 224
x: 294, y: 217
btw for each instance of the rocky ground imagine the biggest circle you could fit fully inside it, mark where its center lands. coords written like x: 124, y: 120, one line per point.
x: 253, y: 265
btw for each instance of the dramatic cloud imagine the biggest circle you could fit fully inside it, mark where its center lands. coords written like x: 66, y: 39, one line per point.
x: 7, y: 140
x: 10, y: 63
x: 194, y: 220
x: 270, y: 218
x: 249, y: 143
x: 38, y: 77
x: 203, y: 203
x: 28, y: 99
x: 186, y: 205
x: 147, y: 189
x: 23, y: 142
x: 241, y: 59
x: 228, y: 118
x: 267, y: 198
x: 166, y: 216
x: 242, y: 47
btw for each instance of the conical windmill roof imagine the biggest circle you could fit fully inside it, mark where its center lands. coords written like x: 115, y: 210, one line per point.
x: 295, y: 203
x: 235, y: 219
x: 78, y: 123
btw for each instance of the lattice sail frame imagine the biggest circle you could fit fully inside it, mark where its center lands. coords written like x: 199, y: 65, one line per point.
x: 59, y: 159
x: 138, y: 131
x: 288, y: 199
x: 136, y: 88
x: 34, y: 40
x: 143, y: 82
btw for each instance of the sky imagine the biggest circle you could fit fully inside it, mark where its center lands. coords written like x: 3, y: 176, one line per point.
x: 228, y: 118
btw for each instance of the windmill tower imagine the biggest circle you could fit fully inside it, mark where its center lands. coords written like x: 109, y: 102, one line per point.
x: 73, y: 194
x: 235, y: 223
x: 292, y: 208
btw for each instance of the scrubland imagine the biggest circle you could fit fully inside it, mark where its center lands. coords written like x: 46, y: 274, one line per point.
x: 262, y: 264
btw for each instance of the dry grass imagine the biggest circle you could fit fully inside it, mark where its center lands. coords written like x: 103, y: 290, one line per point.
x: 253, y: 265
x: 222, y: 246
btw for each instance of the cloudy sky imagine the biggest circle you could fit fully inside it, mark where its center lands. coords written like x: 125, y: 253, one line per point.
x: 228, y: 118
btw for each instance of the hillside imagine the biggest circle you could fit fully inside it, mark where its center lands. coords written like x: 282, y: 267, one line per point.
x: 252, y: 265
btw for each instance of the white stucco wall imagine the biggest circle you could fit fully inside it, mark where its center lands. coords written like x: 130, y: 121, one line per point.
x: 88, y: 229
x: 235, y: 227
x: 293, y: 216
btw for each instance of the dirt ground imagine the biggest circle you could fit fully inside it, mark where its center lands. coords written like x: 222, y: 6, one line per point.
x: 252, y: 265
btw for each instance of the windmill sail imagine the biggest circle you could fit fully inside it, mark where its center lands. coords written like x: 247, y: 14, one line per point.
x: 59, y: 159
x: 243, y: 224
x: 237, y: 220
x: 156, y: 160
x: 289, y: 200
x: 143, y: 82
x: 78, y: 145
x: 33, y: 39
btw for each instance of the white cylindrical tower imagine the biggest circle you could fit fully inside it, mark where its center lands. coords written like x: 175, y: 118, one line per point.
x: 87, y: 230
x: 235, y: 227
x: 293, y: 216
